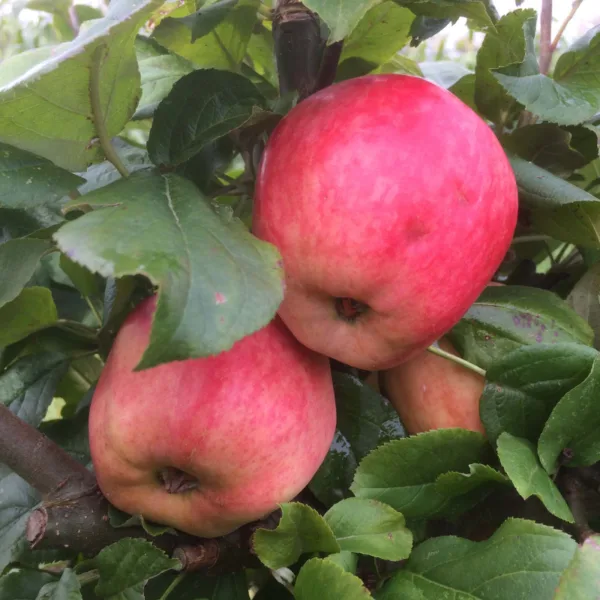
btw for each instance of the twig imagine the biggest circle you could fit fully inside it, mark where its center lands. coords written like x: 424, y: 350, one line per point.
x: 298, y: 47
x: 545, y: 36
x: 456, y: 359
x: 574, y: 494
x: 561, y: 29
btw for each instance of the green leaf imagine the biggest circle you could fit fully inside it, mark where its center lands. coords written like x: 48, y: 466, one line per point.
x: 205, y: 19
x: 347, y: 560
x: 17, y: 499
x: 523, y: 387
x: 33, y: 309
x: 521, y: 560
x: 574, y: 424
x: 28, y: 386
x: 584, y: 299
x: 403, y: 473
x: 474, y: 10
x: 67, y: 588
x: 83, y: 279
x: 129, y: 562
x: 509, y: 45
x: 341, y: 16
x: 224, y: 47
x: 369, y: 527
x: 301, y: 530
x: 98, y: 69
x: 209, y: 268
x: 365, y: 419
x: 425, y: 27
x: 159, y: 70
x: 22, y: 222
x: 202, y: 107
x: 519, y: 459
x: 445, y: 73
x: 560, y: 150
x: 573, y: 96
x: 581, y: 579
x: 559, y: 208
x: 324, y: 579
x: 479, y: 476
x: 507, y: 317
x: 23, y: 584
x: 380, y: 34
x: 71, y: 434
x: 18, y: 262
x: 196, y: 586
x: 28, y: 180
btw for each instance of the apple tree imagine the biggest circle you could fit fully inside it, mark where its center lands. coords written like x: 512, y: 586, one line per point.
x: 131, y: 138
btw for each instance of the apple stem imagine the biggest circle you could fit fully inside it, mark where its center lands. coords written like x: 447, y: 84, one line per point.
x: 457, y: 359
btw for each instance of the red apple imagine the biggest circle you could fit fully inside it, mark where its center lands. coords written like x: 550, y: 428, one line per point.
x: 207, y: 445
x: 378, y: 191
x: 432, y: 392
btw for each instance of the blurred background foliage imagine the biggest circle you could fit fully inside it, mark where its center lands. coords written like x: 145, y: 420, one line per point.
x: 26, y: 24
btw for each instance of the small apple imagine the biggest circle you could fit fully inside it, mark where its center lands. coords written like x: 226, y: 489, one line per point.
x: 207, y: 445
x: 392, y: 204
x: 432, y: 392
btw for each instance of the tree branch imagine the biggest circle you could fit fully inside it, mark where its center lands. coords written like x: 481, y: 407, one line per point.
x: 74, y: 514
x: 561, y: 29
x: 545, y: 36
x: 298, y: 47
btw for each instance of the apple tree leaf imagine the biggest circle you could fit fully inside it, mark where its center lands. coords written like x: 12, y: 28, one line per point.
x: 369, y: 527
x: 202, y: 107
x: 33, y: 309
x: 196, y: 586
x: 66, y: 588
x: 320, y: 578
x: 558, y: 207
x: 403, y: 473
x: 130, y: 562
x: 99, y: 70
x: 217, y: 283
x: 522, y: 559
x: 19, y: 259
x: 574, y: 424
x: 23, y: 584
x: 17, y: 499
x: 347, y: 560
x: 224, y: 41
x: 453, y: 483
x: 572, y: 96
x: 560, y: 150
x: 159, y: 70
x: 365, y: 419
x: 519, y: 459
x: 509, y: 45
x: 380, y: 34
x: 581, y: 579
x: 477, y: 11
x: 29, y: 180
x: 301, y: 529
x: 584, y: 299
x: 27, y: 387
x: 507, y: 317
x: 523, y: 387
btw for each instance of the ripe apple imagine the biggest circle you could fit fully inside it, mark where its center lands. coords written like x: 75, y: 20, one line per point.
x: 432, y: 392
x: 378, y: 192
x: 207, y: 445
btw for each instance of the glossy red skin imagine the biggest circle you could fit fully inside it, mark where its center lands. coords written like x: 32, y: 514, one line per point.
x: 389, y: 190
x: 252, y: 424
x: 432, y: 392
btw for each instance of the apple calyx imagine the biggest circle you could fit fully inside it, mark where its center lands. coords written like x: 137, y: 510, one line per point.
x: 176, y: 481
x: 349, y: 308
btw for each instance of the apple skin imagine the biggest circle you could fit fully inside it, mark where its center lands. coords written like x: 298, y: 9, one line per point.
x: 432, y: 392
x: 251, y: 425
x: 381, y: 189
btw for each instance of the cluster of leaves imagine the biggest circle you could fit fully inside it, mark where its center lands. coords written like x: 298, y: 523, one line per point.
x: 127, y: 161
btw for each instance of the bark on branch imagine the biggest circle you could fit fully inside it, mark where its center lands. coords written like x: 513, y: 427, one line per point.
x: 74, y: 514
